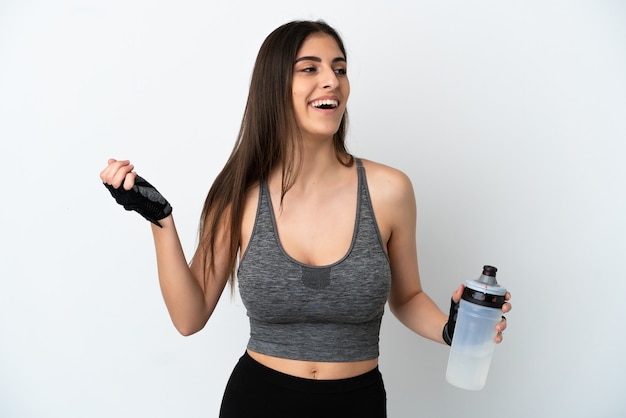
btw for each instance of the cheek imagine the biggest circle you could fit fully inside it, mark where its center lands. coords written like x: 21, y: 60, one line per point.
x: 297, y: 102
x: 298, y: 97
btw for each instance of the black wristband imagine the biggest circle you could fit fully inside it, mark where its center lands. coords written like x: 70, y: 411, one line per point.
x: 143, y: 198
x: 448, y: 328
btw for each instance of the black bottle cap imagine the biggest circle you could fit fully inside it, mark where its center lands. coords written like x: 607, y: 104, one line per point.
x: 489, y: 271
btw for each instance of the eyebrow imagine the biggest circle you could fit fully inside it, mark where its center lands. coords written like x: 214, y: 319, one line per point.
x: 318, y: 59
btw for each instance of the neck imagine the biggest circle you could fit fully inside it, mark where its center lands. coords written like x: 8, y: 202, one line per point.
x: 318, y: 166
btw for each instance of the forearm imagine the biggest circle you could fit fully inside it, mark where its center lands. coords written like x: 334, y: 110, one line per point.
x: 420, y: 314
x: 190, y: 299
x: 182, y: 292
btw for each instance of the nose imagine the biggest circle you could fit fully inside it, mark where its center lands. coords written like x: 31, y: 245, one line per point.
x: 329, y: 79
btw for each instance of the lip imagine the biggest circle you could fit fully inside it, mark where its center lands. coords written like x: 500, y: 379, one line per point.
x: 327, y: 97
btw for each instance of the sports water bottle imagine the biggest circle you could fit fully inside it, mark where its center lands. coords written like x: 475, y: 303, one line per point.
x: 480, y: 310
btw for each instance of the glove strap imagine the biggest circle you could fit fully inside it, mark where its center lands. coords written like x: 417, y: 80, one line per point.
x: 448, y: 328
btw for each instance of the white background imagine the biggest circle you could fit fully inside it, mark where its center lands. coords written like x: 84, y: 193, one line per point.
x: 509, y: 117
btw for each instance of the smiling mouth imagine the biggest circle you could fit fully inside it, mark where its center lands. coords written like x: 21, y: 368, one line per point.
x: 325, y: 104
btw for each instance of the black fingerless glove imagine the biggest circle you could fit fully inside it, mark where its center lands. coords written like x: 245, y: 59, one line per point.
x: 144, y: 199
x: 448, y: 328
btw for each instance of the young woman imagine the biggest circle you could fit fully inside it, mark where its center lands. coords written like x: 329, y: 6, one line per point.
x: 319, y: 241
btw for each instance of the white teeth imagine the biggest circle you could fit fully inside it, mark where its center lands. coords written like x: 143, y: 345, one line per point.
x: 327, y: 103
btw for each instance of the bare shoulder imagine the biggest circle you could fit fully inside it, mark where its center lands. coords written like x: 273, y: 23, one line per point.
x: 392, y: 196
x: 387, y: 183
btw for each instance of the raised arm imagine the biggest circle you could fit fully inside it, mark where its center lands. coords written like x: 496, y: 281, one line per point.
x: 189, y: 296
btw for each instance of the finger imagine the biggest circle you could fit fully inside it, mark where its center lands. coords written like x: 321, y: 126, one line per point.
x: 456, y: 295
x: 499, y: 338
x: 116, y: 173
x: 120, y: 175
x: 108, y: 174
x: 506, y: 307
x: 129, y: 180
x: 501, y: 325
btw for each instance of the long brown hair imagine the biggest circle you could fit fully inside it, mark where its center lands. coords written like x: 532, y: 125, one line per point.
x: 268, y: 136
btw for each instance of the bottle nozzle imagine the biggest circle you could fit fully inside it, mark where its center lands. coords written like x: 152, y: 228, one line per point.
x: 489, y: 276
x: 489, y: 271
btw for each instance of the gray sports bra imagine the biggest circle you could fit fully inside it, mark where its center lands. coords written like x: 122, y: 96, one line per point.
x: 302, y: 312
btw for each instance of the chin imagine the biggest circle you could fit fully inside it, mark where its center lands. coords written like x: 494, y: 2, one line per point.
x: 319, y: 134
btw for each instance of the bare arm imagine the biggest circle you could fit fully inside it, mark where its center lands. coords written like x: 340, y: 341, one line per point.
x: 408, y: 302
x: 190, y: 299
x: 397, y: 214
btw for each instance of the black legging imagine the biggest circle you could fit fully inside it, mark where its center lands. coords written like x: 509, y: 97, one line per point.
x: 255, y: 390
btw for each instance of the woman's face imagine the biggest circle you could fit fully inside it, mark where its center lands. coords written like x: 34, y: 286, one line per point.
x: 320, y: 87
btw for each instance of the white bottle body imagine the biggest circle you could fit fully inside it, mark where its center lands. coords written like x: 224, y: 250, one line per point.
x: 472, y: 346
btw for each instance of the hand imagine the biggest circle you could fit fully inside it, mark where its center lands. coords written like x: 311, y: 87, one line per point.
x: 133, y: 192
x: 448, y: 329
x: 502, y: 324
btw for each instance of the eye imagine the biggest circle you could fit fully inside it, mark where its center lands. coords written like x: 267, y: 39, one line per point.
x: 341, y: 71
x: 308, y: 69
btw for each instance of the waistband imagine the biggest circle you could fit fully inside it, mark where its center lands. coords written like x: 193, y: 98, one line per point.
x: 271, y: 376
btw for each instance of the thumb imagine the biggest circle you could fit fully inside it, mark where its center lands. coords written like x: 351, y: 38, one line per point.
x: 129, y: 180
x: 456, y: 295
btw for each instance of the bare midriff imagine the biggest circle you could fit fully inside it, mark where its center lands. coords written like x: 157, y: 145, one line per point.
x: 315, y: 369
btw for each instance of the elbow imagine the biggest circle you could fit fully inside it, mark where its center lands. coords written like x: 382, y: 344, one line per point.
x: 397, y: 303
x: 188, y: 322
x: 186, y: 332
x: 187, y: 329
x: 401, y: 306
x: 396, y: 310
x: 392, y: 307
